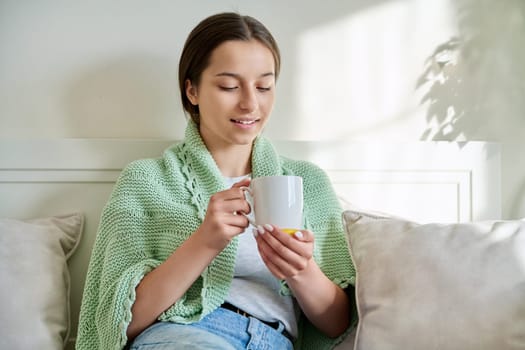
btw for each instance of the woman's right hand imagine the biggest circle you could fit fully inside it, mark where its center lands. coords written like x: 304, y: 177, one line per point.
x: 168, y: 282
x: 223, y: 220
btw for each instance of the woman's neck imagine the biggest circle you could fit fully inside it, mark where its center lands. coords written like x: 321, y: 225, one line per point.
x: 234, y: 160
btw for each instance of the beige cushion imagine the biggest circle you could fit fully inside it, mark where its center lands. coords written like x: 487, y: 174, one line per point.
x: 34, y: 292
x: 438, y: 286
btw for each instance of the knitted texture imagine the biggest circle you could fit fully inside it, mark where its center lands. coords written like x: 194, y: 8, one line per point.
x: 157, y: 203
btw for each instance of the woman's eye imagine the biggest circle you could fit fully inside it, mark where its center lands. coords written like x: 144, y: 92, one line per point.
x: 264, y: 89
x: 228, y: 88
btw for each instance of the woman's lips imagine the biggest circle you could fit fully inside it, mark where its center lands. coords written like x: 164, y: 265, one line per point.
x: 244, y: 123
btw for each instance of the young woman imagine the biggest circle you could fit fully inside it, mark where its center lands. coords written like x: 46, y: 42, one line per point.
x: 174, y: 266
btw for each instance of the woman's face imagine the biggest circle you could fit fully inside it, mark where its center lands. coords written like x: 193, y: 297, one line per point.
x: 235, y: 94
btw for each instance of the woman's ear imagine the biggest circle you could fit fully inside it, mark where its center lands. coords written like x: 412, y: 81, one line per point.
x: 191, y: 93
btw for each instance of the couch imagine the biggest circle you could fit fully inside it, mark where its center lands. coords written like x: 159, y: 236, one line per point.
x: 438, y: 271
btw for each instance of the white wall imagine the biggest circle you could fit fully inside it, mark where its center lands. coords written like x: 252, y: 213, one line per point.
x: 350, y: 69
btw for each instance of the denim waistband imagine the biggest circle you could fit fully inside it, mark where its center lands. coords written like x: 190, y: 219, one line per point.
x: 221, y: 329
x: 278, y: 326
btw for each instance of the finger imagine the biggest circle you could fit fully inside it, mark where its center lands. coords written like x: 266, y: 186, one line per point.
x: 301, y: 235
x: 218, y: 204
x: 237, y: 193
x: 236, y: 206
x: 234, y: 192
x: 295, y: 242
x: 280, y: 255
x: 244, y: 182
x: 272, y: 267
x: 218, y: 198
x: 304, y: 235
x: 237, y: 220
x: 279, y: 267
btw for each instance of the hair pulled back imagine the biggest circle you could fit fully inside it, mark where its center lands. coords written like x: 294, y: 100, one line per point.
x: 209, y: 34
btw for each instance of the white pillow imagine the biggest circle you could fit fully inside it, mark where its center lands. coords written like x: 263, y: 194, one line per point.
x: 34, y: 292
x: 438, y: 286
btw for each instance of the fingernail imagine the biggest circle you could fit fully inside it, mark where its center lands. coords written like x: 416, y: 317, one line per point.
x: 255, y: 232
x: 298, y: 234
x: 260, y: 229
x: 268, y: 227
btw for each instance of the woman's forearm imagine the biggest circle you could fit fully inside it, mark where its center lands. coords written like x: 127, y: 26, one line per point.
x: 327, y: 305
x: 167, y: 283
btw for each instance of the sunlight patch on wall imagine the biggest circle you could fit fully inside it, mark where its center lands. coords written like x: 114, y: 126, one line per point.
x: 356, y: 75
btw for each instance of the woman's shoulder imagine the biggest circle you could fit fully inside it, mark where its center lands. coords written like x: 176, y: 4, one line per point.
x: 153, y: 167
x: 143, y: 168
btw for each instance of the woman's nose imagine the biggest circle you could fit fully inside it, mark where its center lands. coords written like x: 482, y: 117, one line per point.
x: 248, y: 100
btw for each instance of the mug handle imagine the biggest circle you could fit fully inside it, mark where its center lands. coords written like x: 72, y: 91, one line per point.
x: 248, y: 195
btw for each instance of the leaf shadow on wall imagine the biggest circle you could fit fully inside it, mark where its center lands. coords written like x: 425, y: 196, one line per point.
x: 476, y: 80
x: 133, y: 96
x: 474, y: 86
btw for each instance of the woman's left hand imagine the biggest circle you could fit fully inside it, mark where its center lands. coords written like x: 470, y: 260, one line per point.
x: 284, y: 254
x: 290, y: 257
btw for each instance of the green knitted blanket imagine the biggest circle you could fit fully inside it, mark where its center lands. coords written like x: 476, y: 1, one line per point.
x: 154, y: 207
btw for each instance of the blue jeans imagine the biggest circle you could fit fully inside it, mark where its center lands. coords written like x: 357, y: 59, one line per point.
x: 220, y: 330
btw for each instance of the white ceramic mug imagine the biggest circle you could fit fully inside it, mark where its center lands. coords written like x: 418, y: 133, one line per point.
x: 276, y: 200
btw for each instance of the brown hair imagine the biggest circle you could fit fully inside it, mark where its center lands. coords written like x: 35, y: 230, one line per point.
x: 210, y: 33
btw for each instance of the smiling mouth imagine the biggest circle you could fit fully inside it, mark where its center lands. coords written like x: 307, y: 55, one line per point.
x: 244, y: 122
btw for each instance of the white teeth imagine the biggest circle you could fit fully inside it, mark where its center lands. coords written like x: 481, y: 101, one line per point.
x: 245, y: 122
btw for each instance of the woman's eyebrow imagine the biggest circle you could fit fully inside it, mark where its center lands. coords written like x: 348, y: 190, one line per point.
x: 237, y: 76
